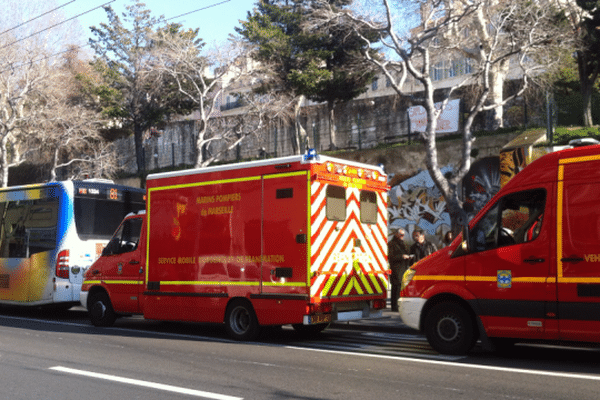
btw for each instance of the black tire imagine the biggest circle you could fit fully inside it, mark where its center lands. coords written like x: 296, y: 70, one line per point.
x: 449, y: 329
x: 241, y: 322
x: 310, y: 330
x: 100, y: 310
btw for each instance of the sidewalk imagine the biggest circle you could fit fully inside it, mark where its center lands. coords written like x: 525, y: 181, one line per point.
x: 390, y: 322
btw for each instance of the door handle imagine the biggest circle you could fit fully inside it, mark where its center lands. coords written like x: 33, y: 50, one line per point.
x: 573, y: 259
x: 134, y: 262
x: 532, y: 260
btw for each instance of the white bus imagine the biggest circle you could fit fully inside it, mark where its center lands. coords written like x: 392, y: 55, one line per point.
x: 51, y: 233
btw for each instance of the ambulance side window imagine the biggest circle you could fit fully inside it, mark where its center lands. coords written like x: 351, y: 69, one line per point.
x: 515, y: 218
x: 368, y: 207
x: 335, y: 203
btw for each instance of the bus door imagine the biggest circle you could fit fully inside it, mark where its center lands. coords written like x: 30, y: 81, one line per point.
x: 578, y: 252
x: 509, y: 266
x: 123, y: 272
x: 285, y: 233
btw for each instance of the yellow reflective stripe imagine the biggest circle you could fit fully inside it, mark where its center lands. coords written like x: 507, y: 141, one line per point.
x: 290, y: 284
x: 287, y: 174
x: 559, y: 221
x: 205, y: 183
x: 339, y: 285
x: 327, y: 286
x: 563, y: 161
x: 123, y: 282
x: 438, y: 278
x: 523, y: 279
x: 229, y: 283
x: 375, y: 282
x: 92, y: 282
x: 578, y: 280
x: 209, y: 283
x: 353, y: 284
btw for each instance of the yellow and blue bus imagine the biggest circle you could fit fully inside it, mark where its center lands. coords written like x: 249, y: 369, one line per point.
x: 51, y: 233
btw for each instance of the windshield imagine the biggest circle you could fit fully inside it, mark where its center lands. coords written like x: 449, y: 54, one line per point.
x: 99, y: 209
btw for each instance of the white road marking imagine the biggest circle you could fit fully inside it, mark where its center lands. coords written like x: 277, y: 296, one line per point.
x: 438, y: 361
x: 456, y: 365
x: 152, y: 385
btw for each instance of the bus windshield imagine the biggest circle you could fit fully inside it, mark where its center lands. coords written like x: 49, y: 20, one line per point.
x: 99, y: 209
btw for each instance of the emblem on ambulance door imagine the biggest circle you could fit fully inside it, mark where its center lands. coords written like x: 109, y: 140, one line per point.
x: 504, y: 278
x: 120, y: 268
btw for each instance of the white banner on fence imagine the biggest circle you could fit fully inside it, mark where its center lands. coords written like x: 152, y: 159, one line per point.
x: 447, y: 121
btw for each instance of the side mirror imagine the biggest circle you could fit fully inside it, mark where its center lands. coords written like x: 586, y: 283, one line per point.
x: 465, y: 238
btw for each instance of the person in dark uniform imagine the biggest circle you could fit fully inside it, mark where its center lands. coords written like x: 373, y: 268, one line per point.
x: 422, y: 247
x: 399, y: 259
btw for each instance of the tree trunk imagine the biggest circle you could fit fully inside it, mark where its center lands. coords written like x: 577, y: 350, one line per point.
x: 200, y: 142
x: 497, y: 77
x: 586, y: 87
x: 300, y: 138
x: 138, y: 138
x: 332, y: 133
x: 4, y: 162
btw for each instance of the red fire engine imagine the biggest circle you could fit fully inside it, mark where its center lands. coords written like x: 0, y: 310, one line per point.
x: 299, y: 240
x: 526, y: 268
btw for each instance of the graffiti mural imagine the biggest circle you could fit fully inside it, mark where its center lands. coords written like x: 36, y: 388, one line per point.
x: 480, y: 184
x: 417, y: 203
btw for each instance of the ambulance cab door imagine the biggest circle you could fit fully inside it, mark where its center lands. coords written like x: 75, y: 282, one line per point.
x: 579, y: 251
x: 285, y: 233
x: 123, y: 265
x: 508, y: 267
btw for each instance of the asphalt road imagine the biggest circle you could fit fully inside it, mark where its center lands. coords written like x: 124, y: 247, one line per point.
x: 61, y: 356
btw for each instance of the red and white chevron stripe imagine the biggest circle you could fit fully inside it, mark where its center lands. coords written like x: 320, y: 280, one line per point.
x: 348, y: 258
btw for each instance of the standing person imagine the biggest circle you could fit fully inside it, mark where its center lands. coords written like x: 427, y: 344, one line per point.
x: 399, y: 259
x: 447, y: 239
x: 422, y: 247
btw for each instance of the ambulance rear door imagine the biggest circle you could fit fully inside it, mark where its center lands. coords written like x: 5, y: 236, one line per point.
x: 285, y: 234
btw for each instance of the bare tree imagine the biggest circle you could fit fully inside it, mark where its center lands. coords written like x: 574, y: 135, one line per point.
x: 203, y: 77
x: 24, y: 70
x: 518, y: 35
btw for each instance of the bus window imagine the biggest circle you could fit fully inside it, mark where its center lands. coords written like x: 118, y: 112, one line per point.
x: 336, y: 203
x: 96, y: 218
x: 28, y: 227
x: 368, y: 207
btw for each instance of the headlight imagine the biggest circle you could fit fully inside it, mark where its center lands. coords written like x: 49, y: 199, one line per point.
x: 407, y: 277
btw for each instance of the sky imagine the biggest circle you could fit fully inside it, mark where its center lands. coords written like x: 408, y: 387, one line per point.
x: 215, y: 18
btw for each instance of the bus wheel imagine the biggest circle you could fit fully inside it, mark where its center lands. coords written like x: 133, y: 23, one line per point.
x: 449, y: 329
x: 310, y: 330
x: 100, y: 310
x: 240, y: 321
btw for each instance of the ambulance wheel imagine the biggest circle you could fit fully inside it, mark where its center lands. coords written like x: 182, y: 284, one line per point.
x: 101, y: 310
x: 240, y: 321
x: 449, y: 329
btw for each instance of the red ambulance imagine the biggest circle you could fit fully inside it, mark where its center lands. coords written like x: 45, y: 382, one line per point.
x: 298, y: 240
x: 526, y: 268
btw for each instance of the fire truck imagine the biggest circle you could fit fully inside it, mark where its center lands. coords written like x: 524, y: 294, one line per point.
x: 298, y: 240
x: 525, y: 269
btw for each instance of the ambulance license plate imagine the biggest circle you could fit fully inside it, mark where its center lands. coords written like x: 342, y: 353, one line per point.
x: 319, y: 319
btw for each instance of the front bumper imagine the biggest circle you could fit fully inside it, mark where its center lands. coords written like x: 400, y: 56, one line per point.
x: 410, y: 309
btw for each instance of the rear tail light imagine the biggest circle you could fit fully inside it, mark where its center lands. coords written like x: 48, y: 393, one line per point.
x: 62, y: 264
x: 379, y: 304
x: 318, y: 308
